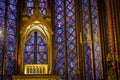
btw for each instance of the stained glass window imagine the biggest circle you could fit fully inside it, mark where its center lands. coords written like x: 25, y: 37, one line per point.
x: 35, y: 50
x: 60, y: 38
x: 2, y: 26
x: 10, y: 17
x: 29, y: 50
x: 41, y: 50
x: 96, y: 40
x: 30, y: 5
x: 71, y: 40
x: 92, y: 52
x: 65, y: 37
x: 87, y: 43
x: 43, y: 6
x: 10, y: 38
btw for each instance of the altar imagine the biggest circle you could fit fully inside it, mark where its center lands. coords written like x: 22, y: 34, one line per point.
x: 36, y: 72
x: 36, y: 77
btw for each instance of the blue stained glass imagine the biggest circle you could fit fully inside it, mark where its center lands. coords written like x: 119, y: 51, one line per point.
x: 60, y: 46
x: 11, y: 15
x: 25, y: 57
x: 61, y: 72
x: 72, y: 63
x: 85, y: 1
x: 71, y: 46
x: 10, y: 53
x: 59, y: 39
x: 12, y: 8
x: 58, y: 2
x: 32, y: 40
x: 42, y: 48
x: 2, y: 5
x: 14, y: 2
x: 59, y: 9
x: 44, y: 12
x: 60, y: 55
x: 87, y: 48
x: 70, y: 0
x: 97, y: 51
x: 43, y: 6
x: 59, y: 16
x: 71, y: 38
x: 2, y: 21
x: 10, y: 38
x: 9, y: 69
x: 70, y: 6
x: 70, y: 21
x: 59, y: 63
x: 44, y: 56
x: 60, y: 35
x: 2, y: 11
x: 72, y: 73
x: 30, y: 4
x: 11, y: 31
x: 59, y: 31
x: 70, y: 29
x: 59, y: 24
x: 11, y: 22
x: 70, y: 13
x: 29, y: 48
x: 10, y: 47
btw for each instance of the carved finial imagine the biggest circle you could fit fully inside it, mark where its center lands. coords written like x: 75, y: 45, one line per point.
x: 36, y: 9
x: 36, y: 5
x: 25, y: 11
x: 48, y: 13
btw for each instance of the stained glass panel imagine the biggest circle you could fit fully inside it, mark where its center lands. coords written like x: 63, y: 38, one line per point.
x: 91, y: 34
x: 41, y: 49
x: 87, y: 40
x: 35, y: 50
x: 43, y: 6
x: 96, y: 39
x: 60, y: 38
x: 30, y: 5
x: 2, y: 26
x: 29, y: 50
x: 10, y: 39
x: 71, y: 40
x: 65, y: 61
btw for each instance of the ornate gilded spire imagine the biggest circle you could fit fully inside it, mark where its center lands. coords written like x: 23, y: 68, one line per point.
x: 36, y: 9
x: 36, y: 4
x: 25, y: 10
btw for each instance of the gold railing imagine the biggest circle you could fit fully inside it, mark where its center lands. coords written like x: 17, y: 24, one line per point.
x: 36, y: 69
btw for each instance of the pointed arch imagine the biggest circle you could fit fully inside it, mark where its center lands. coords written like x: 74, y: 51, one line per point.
x: 39, y: 27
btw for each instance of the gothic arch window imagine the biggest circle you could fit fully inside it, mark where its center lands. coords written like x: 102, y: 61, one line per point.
x: 65, y: 37
x: 35, y: 50
x: 8, y: 16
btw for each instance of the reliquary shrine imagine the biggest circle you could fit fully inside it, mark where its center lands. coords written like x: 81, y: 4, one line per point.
x: 36, y: 25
